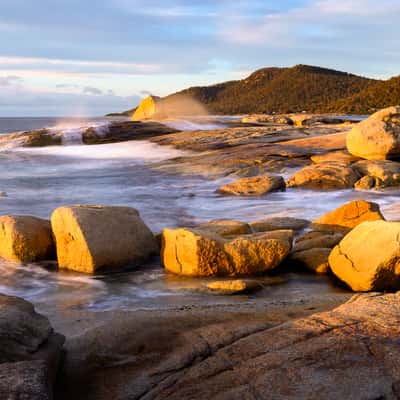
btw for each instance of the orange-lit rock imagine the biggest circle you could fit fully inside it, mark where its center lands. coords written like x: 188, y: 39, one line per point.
x: 25, y: 239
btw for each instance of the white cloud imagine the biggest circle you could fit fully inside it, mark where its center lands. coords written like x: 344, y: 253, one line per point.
x: 76, y: 66
x: 296, y: 24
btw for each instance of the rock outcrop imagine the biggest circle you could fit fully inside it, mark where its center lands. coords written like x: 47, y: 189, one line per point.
x: 29, y: 351
x: 198, y: 252
x: 100, y: 238
x: 377, y: 174
x: 147, y: 109
x: 254, y: 186
x: 350, y: 352
x: 328, y: 175
x: 25, y: 239
x: 348, y: 216
x: 378, y: 137
x: 368, y: 257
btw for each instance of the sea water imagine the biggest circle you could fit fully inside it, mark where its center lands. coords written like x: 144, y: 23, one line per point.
x: 38, y: 180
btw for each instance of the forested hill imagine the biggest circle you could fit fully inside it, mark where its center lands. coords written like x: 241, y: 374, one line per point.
x: 296, y: 89
x: 280, y: 90
x: 379, y: 95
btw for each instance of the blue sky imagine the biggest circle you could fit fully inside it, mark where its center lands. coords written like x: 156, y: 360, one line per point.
x: 73, y: 57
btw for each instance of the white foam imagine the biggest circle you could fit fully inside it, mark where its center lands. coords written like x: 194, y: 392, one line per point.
x: 132, y: 150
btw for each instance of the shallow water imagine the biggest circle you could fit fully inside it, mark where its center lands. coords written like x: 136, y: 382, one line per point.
x: 38, y: 180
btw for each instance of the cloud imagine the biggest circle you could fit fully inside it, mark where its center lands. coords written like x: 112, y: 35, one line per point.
x: 92, y: 90
x: 315, y: 19
x: 145, y: 93
x: 76, y: 66
x: 23, y: 102
x: 10, y: 80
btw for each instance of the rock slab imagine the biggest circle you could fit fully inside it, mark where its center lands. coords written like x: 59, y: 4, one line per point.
x: 350, y: 352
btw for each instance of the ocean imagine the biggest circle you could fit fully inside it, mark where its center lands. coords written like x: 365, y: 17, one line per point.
x: 38, y: 180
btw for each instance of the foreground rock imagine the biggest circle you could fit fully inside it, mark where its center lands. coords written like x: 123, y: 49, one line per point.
x: 378, y: 174
x: 100, y: 238
x: 197, y: 252
x: 29, y: 351
x: 368, y: 257
x: 348, y: 216
x: 328, y: 175
x: 254, y: 186
x: 279, y: 223
x: 25, y: 239
x: 237, y: 286
x: 351, y: 352
x: 376, y: 138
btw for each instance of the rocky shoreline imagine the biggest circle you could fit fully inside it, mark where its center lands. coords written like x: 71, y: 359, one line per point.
x: 234, y: 352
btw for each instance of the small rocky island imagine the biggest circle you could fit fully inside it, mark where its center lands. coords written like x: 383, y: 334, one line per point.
x: 337, y: 346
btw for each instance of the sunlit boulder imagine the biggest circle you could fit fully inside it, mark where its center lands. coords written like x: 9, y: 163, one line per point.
x: 92, y: 238
x: 199, y: 252
x: 25, y: 239
x: 378, y: 137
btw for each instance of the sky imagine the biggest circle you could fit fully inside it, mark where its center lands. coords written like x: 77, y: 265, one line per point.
x: 76, y: 57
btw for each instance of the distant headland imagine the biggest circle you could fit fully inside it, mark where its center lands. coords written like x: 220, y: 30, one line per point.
x: 296, y: 89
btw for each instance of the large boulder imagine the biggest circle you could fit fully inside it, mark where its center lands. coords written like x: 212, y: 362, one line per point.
x: 254, y: 186
x: 348, y: 216
x: 29, y: 351
x: 368, y: 257
x: 327, y: 175
x: 378, y: 137
x: 91, y: 238
x: 25, y: 239
x: 377, y: 174
x: 197, y: 252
